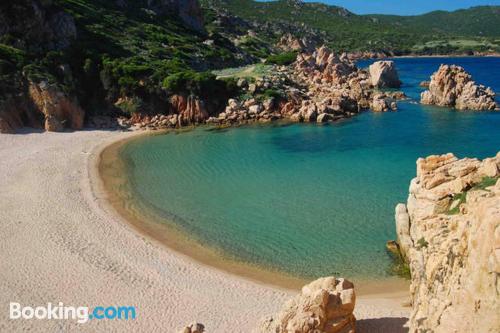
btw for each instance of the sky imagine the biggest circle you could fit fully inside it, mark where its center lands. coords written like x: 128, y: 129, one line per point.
x: 405, y: 7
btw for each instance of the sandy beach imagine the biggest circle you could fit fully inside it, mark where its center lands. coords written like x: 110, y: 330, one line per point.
x: 61, y: 241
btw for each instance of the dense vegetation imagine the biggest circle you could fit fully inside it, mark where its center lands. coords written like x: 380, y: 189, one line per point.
x: 119, y: 51
x: 281, y: 59
x: 475, y: 29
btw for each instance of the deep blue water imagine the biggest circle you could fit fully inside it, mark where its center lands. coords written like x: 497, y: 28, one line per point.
x: 309, y: 199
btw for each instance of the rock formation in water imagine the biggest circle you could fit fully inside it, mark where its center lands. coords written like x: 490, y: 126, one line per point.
x: 383, y: 74
x: 449, y: 232
x: 335, y: 79
x: 452, y: 86
x: 324, y: 306
x: 320, y: 86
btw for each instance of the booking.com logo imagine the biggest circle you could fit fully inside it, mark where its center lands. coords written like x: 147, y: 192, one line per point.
x: 81, y: 314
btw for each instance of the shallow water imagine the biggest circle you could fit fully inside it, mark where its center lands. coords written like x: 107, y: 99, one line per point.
x: 310, y: 200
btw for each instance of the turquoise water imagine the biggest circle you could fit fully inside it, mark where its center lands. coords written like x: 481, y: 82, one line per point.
x: 310, y: 200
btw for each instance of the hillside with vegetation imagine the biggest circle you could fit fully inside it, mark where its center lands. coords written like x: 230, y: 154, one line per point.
x: 101, y: 51
x: 463, y: 31
x: 129, y: 57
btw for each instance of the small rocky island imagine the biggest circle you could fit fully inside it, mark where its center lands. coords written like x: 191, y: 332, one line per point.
x: 452, y: 86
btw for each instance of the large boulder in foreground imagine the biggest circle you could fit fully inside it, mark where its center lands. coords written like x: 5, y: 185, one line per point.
x: 383, y: 74
x: 449, y: 232
x: 452, y: 86
x: 324, y: 306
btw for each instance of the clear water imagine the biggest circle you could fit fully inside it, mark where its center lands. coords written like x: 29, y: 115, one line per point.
x: 306, y: 199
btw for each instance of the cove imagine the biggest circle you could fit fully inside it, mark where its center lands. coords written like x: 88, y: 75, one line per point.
x: 307, y: 200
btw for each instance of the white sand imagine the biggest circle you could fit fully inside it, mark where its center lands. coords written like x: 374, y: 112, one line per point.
x: 60, y: 243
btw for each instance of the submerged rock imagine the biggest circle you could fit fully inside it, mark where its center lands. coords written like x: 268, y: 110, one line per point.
x: 324, y: 306
x: 452, y: 86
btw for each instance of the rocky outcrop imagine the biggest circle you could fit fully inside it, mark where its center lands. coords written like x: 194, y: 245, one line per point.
x: 383, y: 74
x: 324, y: 306
x: 189, y: 109
x: 44, y: 106
x: 289, y: 42
x: 330, y: 76
x: 369, y: 55
x: 449, y: 231
x: 59, y: 110
x: 452, y: 86
x: 16, y: 112
x: 189, y: 11
x: 324, y: 66
x: 320, y: 86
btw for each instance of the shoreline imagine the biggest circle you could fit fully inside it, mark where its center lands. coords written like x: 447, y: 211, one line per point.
x: 108, y: 168
x: 491, y: 55
x: 60, y: 234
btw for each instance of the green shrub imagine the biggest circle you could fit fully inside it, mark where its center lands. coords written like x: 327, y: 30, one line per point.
x: 12, y: 55
x: 203, y: 84
x: 131, y: 105
x: 180, y: 82
x: 462, y: 198
x: 282, y: 59
x: 422, y: 243
x: 272, y: 93
x: 399, y: 266
x: 485, y: 183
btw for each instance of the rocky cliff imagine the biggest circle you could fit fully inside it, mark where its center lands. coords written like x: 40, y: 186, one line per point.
x: 42, y: 106
x: 452, y: 86
x: 36, y: 25
x: 449, y: 231
x: 189, y: 11
x: 58, y: 109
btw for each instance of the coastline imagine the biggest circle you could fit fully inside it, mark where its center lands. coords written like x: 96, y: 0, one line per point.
x: 489, y: 55
x: 60, y: 235
x: 109, y: 169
